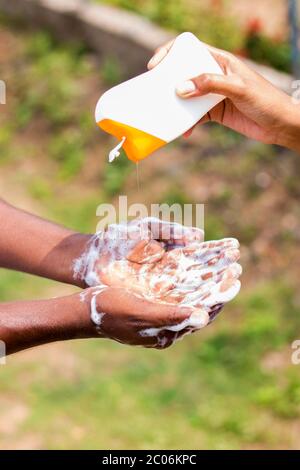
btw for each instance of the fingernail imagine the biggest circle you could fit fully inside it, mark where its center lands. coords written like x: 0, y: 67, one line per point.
x: 151, y: 62
x: 186, y: 87
x: 157, y: 58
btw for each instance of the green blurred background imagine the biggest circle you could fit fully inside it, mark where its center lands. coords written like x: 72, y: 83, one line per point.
x: 230, y: 386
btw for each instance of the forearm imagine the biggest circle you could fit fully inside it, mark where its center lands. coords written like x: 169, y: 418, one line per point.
x: 27, y: 324
x: 33, y: 245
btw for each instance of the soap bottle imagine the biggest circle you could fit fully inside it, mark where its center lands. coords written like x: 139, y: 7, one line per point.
x: 145, y: 113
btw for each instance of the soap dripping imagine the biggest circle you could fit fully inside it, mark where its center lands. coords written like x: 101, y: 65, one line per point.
x: 137, y: 176
x: 115, y: 152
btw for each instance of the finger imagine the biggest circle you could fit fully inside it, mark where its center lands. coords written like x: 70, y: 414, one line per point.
x: 212, y: 268
x: 215, y: 114
x: 146, y: 251
x: 153, y: 315
x: 192, y: 234
x: 234, y: 271
x: 173, y: 233
x: 224, y: 243
x: 229, y: 285
x: 221, y: 295
x: 205, y: 287
x: 199, y: 294
x: 189, y: 132
x: 214, y: 312
x: 231, y: 86
x: 165, y: 339
x: 201, y: 256
x: 171, y: 317
x: 208, y: 117
x: 161, y: 315
x: 212, y: 247
x: 223, y: 58
x: 185, y: 332
x: 160, y: 54
x: 220, y: 291
x: 219, y: 288
x: 225, y: 258
x: 188, y: 269
x: 148, y: 342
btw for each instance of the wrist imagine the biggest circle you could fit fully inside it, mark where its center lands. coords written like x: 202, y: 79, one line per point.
x: 74, y: 320
x: 86, y: 263
x: 71, y: 250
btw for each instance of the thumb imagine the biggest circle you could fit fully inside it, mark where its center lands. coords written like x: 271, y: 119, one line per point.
x: 231, y: 86
x: 177, y: 317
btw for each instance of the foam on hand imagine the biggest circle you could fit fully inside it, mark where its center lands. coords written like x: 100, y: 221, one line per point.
x: 202, y: 276
x: 146, y: 109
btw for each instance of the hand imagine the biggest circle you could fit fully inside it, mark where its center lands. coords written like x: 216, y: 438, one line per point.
x: 165, y: 283
x: 116, y: 256
x: 201, y: 276
x: 130, y: 319
x: 253, y: 106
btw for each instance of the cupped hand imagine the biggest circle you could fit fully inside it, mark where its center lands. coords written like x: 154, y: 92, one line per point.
x: 128, y: 318
x: 252, y: 105
x: 175, y: 270
x: 116, y: 256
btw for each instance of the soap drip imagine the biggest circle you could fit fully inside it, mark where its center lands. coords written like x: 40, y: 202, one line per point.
x: 114, y: 153
x: 137, y: 177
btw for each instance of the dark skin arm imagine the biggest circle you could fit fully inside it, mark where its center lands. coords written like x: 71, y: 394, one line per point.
x: 129, y: 303
x: 33, y: 245
x: 36, y: 246
x: 27, y: 324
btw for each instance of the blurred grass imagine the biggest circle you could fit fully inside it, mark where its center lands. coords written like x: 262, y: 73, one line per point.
x: 233, y: 385
x: 211, y: 391
x: 210, y: 21
x: 182, y: 15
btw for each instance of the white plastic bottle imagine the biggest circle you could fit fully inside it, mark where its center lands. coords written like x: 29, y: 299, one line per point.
x: 145, y: 113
